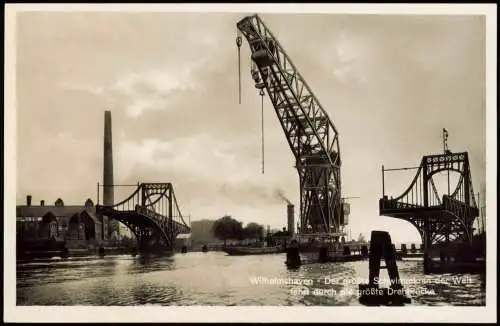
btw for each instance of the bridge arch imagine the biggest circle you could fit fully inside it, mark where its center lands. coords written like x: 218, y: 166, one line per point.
x: 411, y: 186
x: 136, y: 227
x: 430, y: 174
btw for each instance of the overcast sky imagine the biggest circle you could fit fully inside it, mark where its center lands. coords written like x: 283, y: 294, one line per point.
x: 389, y: 83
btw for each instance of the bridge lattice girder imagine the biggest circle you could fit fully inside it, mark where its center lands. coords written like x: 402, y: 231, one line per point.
x: 152, y: 213
x: 437, y: 219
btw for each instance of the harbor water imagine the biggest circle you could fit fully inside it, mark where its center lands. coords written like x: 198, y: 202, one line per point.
x: 215, y: 278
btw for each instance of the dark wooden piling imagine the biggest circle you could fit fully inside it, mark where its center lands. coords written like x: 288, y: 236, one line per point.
x: 404, y: 251
x: 323, y: 254
x: 364, y: 251
x: 347, y: 251
x: 293, y: 255
x: 371, y: 294
x: 390, y: 263
x: 427, y: 262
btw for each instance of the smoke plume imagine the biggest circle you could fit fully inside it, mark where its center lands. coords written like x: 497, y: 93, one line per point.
x: 281, y: 195
x: 244, y: 192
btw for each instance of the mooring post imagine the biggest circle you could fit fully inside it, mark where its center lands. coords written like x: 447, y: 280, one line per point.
x: 374, y: 258
x: 390, y: 262
x: 293, y: 255
x: 426, y: 247
x: 323, y: 254
x: 381, y: 246
x: 364, y: 251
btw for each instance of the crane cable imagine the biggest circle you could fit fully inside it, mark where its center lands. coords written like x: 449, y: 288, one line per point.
x: 261, y: 93
x: 262, y: 124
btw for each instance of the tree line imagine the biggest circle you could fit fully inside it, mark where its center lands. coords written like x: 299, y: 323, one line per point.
x: 228, y: 228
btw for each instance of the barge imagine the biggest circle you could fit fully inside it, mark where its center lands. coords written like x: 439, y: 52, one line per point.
x: 246, y: 250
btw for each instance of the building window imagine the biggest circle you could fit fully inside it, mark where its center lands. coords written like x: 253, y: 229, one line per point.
x: 53, y: 229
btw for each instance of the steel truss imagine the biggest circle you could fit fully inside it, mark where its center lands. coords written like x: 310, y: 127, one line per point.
x: 310, y: 133
x: 151, y: 212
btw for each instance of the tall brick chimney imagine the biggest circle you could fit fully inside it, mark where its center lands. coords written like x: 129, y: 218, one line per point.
x: 108, y: 191
x: 28, y: 200
x: 108, y: 197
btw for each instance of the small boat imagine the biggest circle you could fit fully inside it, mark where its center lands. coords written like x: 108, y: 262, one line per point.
x: 240, y: 251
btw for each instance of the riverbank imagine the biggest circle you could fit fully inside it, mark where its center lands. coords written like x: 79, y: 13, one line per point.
x: 33, y: 254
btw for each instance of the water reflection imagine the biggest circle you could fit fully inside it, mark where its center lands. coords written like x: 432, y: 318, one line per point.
x: 216, y: 279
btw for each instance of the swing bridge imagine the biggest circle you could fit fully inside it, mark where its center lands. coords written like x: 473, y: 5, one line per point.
x: 438, y: 219
x: 152, y: 213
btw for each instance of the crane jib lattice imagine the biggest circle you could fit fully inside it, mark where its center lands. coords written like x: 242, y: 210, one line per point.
x: 151, y: 212
x: 310, y: 133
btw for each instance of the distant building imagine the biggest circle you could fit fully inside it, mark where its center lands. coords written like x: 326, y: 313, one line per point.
x: 76, y: 225
x: 202, y: 232
x: 279, y: 237
x: 183, y: 240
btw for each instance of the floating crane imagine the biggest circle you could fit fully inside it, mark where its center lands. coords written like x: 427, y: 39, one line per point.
x: 310, y: 133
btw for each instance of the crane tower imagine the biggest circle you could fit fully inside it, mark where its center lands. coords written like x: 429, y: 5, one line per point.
x: 310, y: 133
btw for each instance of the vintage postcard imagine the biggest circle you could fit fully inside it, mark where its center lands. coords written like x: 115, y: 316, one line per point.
x: 250, y: 163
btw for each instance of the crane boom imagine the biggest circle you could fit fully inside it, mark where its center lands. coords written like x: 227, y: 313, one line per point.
x: 310, y: 133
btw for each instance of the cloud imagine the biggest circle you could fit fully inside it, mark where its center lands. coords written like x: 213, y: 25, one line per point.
x: 198, y: 154
x: 150, y: 90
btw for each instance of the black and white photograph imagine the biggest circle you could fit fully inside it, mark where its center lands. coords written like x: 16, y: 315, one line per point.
x: 262, y: 162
